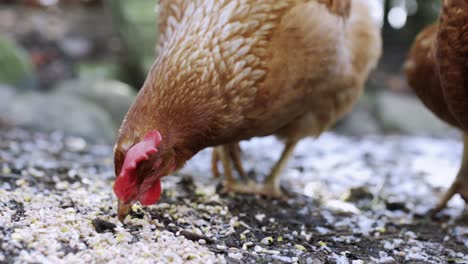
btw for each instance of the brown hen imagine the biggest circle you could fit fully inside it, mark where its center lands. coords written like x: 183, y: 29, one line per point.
x: 437, y: 70
x: 232, y: 70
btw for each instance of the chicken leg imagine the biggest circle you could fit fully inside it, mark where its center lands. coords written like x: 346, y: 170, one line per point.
x: 271, y: 186
x: 460, y: 185
x: 229, y: 155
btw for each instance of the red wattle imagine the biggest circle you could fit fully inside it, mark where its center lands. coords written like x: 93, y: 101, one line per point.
x: 125, y: 186
x: 152, y: 195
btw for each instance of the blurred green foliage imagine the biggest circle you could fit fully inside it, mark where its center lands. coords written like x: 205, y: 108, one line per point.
x: 136, y: 22
x: 15, y: 67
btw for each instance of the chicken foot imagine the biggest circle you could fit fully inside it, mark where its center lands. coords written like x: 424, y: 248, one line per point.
x: 460, y: 185
x: 271, y: 186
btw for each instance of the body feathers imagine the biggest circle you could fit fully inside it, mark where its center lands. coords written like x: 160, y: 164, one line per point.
x: 232, y: 70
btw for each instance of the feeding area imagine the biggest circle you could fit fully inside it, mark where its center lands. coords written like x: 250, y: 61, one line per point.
x: 74, y: 188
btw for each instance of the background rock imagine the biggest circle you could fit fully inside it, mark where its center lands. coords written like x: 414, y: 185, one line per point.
x: 113, y: 96
x: 49, y: 112
x: 406, y: 114
x: 7, y: 95
x: 361, y: 121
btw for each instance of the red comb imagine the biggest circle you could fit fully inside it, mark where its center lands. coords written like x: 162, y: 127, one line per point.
x: 126, y: 184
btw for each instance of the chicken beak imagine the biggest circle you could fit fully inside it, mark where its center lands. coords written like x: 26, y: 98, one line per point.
x: 122, y: 210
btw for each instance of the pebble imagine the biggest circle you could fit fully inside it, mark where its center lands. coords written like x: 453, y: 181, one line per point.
x: 246, y: 245
x: 260, y: 217
x: 220, y: 247
x: 387, y: 260
x: 300, y: 247
x: 237, y: 255
x: 258, y: 248
x: 267, y: 240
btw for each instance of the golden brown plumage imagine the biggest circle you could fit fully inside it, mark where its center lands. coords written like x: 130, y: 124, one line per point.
x: 423, y: 76
x: 232, y: 70
x: 437, y: 70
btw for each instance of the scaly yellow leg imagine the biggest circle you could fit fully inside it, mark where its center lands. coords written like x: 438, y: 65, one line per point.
x: 460, y: 185
x: 231, y: 152
x: 272, y: 182
x: 235, y: 154
x: 271, y: 186
x: 227, y: 165
x: 215, y: 157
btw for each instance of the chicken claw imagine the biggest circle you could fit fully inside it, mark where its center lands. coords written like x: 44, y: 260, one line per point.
x: 271, y: 188
x: 229, y: 155
x: 460, y: 185
x: 251, y: 187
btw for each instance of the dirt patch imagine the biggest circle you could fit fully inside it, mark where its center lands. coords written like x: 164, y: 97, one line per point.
x: 57, y: 204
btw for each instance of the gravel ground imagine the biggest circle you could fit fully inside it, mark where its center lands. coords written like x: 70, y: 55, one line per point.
x: 353, y: 201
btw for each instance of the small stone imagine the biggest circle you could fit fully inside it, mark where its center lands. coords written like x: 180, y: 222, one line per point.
x: 410, y: 234
x: 387, y: 260
x: 322, y: 244
x: 382, y: 230
x: 300, y: 247
x: 395, y: 206
x: 258, y: 249
x: 120, y: 237
x: 236, y: 255
x: 246, y: 245
x: 62, y: 185
x: 191, y: 256
x: 267, y: 240
x: 75, y: 144
x: 16, y: 236
x: 359, y: 193
x: 102, y: 226
x: 272, y: 252
x: 6, y: 170
x: 220, y: 247
x: 260, y: 217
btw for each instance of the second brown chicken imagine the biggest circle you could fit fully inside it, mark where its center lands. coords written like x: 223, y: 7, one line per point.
x: 437, y: 70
